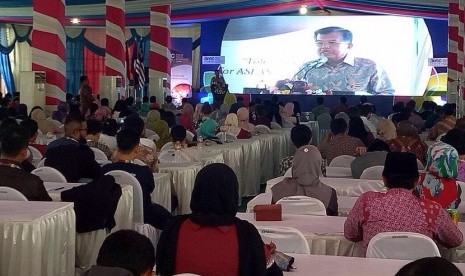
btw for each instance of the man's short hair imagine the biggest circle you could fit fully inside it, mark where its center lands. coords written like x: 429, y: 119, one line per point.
x: 153, y: 99
x: 178, y: 133
x: 110, y: 127
x: 353, y: 111
x: 343, y: 100
x: 169, y: 99
x: 366, y: 109
x: 429, y: 266
x: 129, y: 250
x: 401, y: 170
x: 206, y: 109
x: 301, y: 135
x: 135, y: 123
x: 14, y: 139
x: 346, y: 34
x: 94, y: 127
x: 338, y: 126
x: 82, y: 79
x: 449, y: 109
x: 127, y: 139
x: 31, y: 126
x: 73, y: 121
x: 6, y: 124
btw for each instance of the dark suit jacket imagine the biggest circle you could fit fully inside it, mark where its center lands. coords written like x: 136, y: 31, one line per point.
x: 73, y: 161
x: 94, y: 203
x: 28, y: 184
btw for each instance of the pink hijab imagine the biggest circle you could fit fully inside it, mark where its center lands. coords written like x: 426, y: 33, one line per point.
x: 243, y: 116
x: 288, y: 110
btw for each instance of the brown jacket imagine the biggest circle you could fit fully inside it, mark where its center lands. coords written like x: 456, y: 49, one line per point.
x: 28, y: 184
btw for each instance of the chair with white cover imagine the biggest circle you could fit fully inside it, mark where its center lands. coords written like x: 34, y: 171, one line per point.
x: 148, y: 133
x: 373, y: 173
x: 49, y: 174
x: 189, y: 136
x: 41, y: 163
x: 287, y: 239
x: 125, y: 178
x: 275, y: 125
x: 139, y: 162
x: 99, y: 154
x: 10, y: 194
x: 148, y: 143
x: 230, y: 137
x: 302, y: 205
x: 262, y: 129
x: 342, y: 161
x: 36, y: 156
x: 288, y: 172
x: 402, y: 246
x: 167, y: 146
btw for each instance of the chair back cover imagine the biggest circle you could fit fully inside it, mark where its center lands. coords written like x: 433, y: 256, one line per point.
x: 402, y: 246
x: 342, y: 161
x: 287, y: 239
x: 148, y: 143
x: 7, y: 193
x: 262, y: 129
x: 373, y: 173
x: 49, y: 174
x: 99, y: 154
x: 275, y: 125
x: 302, y: 205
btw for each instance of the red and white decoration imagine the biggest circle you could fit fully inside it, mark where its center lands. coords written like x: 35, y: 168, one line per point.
x: 115, y: 55
x: 49, y: 47
x: 160, y: 44
x: 455, y: 55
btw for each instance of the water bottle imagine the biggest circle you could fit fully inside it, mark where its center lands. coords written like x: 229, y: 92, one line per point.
x: 199, y: 142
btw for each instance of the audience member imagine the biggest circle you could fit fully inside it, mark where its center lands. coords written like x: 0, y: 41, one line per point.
x: 261, y: 118
x: 179, y: 134
x: 45, y: 126
x: 207, y: 126
x: 375, y: 156
x: 187, y: 117
x: 15, y: 141
x: 456, y: 138
x: 386, y: 130
x: 119, y: 107
x: 169, y: 104
x: 105, y: 104
x: 414, y: 118
x: 153, y: 103
x: 439, y: 183
x: 124, y: 253
x: 399, y: 209
x: 305, y: 180
x: 31, y: 127
x: 288, y: 115
x: 408, y: 140
x: 238, y: 104
x: 337, y: 142
x: 145, y: 107
x: 274, y: 115
x: 161, y: 128
x: 341, y: 107
x: 435, y: 117
x: 426, y: 109
x: 168, y: 117
x: 429, y: 266
x: 108, y: 136
x: 94, y: 130
x: 243, y: 117
x: 212, y: 227
x: 145, y: 154
x: 86, y: 97
x: 69, y: 154
x: 460, y: 124
x: 447, y: 123
x: 22, y: 112
x: 354, y: 111
x: 301, y: 135
x: 357, y: 130
x: 61, y: 113
x: 320, y: 108
x: 231, y: 126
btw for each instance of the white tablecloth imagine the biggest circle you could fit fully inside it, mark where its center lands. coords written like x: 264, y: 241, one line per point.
x: 343, y: 186
x: 325, y: 235
x: 182, y: 179
x: 37, y: 238
x: 334, y: 265
x: 339, y: 172
x: 162, y: 192
x: 124, y: 210
x: 345, y: 203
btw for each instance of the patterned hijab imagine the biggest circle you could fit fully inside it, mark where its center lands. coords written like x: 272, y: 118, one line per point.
x: 208, y: 128
x: 243, y: 116
x: 152, y: 117
x: 305, y: 180
x: 442, y: 160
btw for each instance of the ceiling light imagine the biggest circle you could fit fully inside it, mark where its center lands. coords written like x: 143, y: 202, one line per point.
x: 75, y: 20
x: 303, y: 9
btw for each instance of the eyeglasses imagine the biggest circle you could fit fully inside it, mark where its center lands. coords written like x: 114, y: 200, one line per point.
x: 331, y: 43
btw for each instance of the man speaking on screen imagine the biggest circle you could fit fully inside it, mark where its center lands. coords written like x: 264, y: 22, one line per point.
x: 338, y: 70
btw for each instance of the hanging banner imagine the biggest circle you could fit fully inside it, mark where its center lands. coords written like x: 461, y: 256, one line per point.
x: 181, y: 69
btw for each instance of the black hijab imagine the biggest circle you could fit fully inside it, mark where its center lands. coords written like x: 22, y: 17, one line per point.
x: 215, y: 196
x: 214, y: 203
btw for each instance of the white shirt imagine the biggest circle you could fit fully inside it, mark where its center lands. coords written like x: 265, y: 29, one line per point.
x: 109, y: 141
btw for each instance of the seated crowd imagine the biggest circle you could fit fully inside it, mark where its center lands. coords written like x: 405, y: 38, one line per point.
x: 133, y: 134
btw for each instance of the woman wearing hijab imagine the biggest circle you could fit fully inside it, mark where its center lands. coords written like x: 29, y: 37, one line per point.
x: 456, y: 138
x: 408, y: 140
x: 231, y: 125
x: 439, y: 182
x: 212, y: 240
x: 207, y: 128
x: 197, y: 112
x: 243, y: 116
x: 357, y: 130
x: 386, y: 130
x: 45, y: 126
x: 155, y: 123
x: 261, y: 118
x: 288, y: 113
x: 305, y: 180
x: 187, y: 117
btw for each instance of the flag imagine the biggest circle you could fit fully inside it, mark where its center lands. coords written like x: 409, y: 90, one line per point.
x: 139, y: 70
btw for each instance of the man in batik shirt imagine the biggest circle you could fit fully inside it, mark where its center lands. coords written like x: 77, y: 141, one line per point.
x: 337, y: 70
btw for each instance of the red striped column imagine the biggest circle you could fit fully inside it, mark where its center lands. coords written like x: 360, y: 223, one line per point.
x: 49, y: 48
x: 455, y: 56
x: 160, y: 54
x: 115, y: 48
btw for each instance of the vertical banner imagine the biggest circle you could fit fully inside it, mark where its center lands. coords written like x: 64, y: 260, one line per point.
x: 181, y: 69
x: 49, y: 47
x: 455, y: 56
x: 115, y: 54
